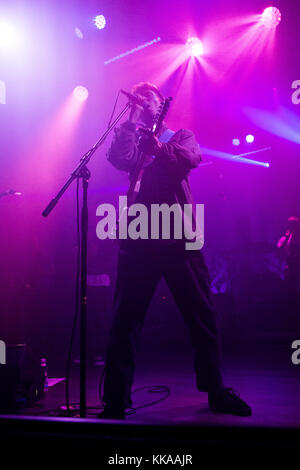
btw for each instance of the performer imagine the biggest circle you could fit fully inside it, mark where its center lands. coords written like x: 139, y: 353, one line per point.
x: 289, y: 246
x: 142, y: 263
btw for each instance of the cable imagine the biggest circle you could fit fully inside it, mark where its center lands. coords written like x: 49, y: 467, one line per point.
x: 76, y: 299
x: 75, y: 411
x: 100, y: 386
x: 151, y: 389
x: 68, y: 366
x: 114, y: 108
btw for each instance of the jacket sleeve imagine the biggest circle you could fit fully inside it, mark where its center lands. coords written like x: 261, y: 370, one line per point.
x: 182, y: 151
x: 123, y: 152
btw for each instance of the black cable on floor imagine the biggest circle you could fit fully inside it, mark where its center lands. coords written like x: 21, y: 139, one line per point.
x: 151, y: 389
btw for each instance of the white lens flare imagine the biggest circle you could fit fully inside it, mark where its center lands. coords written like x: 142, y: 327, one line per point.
x: 271, y: 17
x: 194, y: 47
x: 8, y: 34
x: 100, y: 21
x: 81, y: 93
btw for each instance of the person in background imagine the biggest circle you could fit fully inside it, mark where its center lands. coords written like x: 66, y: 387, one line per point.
x: 289, y: 246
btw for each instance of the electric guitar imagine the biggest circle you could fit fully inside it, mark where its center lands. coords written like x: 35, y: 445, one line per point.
x: 137, y: 174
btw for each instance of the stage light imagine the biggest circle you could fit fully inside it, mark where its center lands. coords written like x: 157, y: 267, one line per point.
x: 250, y: 138
x: 236, y: 142
x: 132, y: 51
x: 271, y: 17
x: 236, y: 158
x: 78, y: 33
x: 282, y: 122
x: 8, y: 34
x: 100, y: 21
x: 194, y: 47
x: 81, y: 93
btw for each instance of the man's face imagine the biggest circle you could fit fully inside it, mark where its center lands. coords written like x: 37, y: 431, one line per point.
x: 151, y: 106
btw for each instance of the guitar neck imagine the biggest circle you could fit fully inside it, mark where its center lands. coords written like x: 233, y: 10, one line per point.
x: 138, y: 171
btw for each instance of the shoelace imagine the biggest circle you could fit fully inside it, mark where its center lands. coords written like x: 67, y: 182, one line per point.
x: 233, y: 392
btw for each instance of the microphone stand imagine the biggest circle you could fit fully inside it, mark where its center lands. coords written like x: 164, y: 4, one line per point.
x: 81, y: 171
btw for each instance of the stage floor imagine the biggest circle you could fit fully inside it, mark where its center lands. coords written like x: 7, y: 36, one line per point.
x: 270, y: 386
x: 179, y: 424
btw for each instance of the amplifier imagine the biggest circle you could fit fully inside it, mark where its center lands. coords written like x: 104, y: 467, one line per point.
x: 21, y: 379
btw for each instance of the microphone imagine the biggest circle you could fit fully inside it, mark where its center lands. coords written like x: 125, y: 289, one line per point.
x: 134, y: 99
x: 10, y: 192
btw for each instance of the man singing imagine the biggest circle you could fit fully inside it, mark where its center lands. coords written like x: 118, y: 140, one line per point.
x: 142, y: 262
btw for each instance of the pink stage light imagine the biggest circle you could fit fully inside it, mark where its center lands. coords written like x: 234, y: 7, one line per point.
x: 249, y: 138
x: 132, y: 51
x: 271, y: 17
x: 51, y: 148
x: 194, y: 47
x: 236, y: 158
x: 100, y: 21
x: 81, y: 93
x: 282, y: 122
x: 235, y: 142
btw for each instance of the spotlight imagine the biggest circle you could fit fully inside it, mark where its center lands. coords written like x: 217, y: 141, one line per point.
x: 100, y: 21
x: 271, y: 17
x: 132, y: 51
x: 194, y: 47
x: 250, y: 138
x: 78, y: 33
x: 81, y: 93
x: 236, y: 142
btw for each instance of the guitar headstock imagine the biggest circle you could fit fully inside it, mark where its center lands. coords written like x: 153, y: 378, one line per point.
x: 161, y: 114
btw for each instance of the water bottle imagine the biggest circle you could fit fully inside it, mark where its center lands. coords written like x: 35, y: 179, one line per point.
x: 45, y: 372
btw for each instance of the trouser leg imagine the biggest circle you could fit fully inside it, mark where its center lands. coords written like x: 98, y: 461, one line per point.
x: 137, y: 279
x: 188, y: 279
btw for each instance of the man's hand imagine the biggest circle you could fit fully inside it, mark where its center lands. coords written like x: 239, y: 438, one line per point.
x: 150, y: 144
x: 136, y: 111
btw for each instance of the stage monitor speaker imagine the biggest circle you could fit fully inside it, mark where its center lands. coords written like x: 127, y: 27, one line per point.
x: 21, y: 379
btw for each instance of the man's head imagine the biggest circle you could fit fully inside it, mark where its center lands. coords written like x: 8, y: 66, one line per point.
x: 152, y: 98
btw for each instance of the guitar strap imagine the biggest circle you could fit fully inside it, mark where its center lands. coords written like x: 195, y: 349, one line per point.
x: 166, y: 136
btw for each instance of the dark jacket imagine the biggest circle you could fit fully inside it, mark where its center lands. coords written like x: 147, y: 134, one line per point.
x: 165, y: 178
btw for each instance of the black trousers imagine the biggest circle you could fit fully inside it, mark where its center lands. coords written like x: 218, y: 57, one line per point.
x: 139, y: 271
